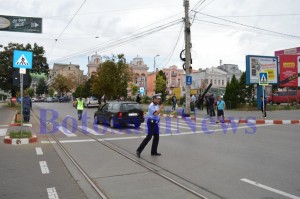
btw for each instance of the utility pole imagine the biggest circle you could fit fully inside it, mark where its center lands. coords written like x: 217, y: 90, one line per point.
x: 187, y: 36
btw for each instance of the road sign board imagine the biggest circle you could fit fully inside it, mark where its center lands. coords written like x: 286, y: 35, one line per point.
x: 188, y: 80
x: 263, y: 78
x: 22, y: 70
x: 22, y: 59
x: 20, y: 24
x: 256, y: 64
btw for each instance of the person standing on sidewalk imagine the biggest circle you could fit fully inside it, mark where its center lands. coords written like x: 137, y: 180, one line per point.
x: 220, y: 109
x: 174, y: 101
x: 27, y: 105
x: 79, y: 108
x: 153, y: 128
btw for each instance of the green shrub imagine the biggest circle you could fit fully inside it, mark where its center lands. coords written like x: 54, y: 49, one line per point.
x: 18, y: 134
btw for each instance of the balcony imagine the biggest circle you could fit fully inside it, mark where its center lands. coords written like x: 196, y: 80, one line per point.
x: 172, y: 86
x: 173, y: 74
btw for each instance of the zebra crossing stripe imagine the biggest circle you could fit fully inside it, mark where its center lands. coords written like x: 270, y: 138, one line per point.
x: 66, y: 132
x: 88, y: 130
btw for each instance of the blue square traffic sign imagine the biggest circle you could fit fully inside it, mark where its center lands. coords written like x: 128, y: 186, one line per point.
x: 188, y: 80
x: 263, y: 78
x: 22, y: 59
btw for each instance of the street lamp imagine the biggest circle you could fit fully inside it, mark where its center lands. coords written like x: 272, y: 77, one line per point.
x: 154, y: 63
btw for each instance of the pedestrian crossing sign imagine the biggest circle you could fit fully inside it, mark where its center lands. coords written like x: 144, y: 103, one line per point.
x: 263, y: 78
x: 22, y: 59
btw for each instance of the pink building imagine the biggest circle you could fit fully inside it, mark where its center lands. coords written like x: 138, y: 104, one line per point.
x: 174, y: 77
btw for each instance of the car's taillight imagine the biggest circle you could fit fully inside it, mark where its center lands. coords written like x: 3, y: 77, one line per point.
x: 120, y: 115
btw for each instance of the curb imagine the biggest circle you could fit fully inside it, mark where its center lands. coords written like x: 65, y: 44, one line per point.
x: 243, y: 121
x: 16, y: 141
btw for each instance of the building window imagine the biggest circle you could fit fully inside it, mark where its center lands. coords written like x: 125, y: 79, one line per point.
x: 215, y: 82
x: 211, y: 81
x: 219, y: 82
x: 222, y: 82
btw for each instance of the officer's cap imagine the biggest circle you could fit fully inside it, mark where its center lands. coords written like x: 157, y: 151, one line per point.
x: 158, y: 96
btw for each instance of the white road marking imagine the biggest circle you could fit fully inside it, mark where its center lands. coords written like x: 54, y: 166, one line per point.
x: 3, y: 125
x: 3, y: 132
x: 29, y: 125
x: 52, y: 194
x: 270, y: 189
x: 39, y: 151
x: 143, y: 136
x: 66, y: 132
x: 106, y: 129
x: 44, y: 167
x: 91, y: 131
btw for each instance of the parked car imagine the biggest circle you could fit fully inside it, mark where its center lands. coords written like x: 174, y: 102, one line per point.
x: 54, y: 99
x: 91, y: 102
x: 62, y: 99
x: 49, y: 99
x: 284, y: 97
x: 119, y: 113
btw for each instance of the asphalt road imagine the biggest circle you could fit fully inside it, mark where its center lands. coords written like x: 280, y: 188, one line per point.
x: 216, y: 160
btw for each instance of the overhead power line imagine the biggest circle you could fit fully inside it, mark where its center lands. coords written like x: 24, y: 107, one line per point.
x: 119, y: 42
x: 253, y: 27
x: 65, y: 28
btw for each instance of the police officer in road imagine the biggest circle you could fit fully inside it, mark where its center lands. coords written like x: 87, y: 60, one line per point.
x: 153, y: 128
x: 79, y: 108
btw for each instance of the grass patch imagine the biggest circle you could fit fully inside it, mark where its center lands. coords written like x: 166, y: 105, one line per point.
x: 18, y: 135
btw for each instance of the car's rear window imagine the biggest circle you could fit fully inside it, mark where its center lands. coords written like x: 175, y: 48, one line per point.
x: 129, y: 106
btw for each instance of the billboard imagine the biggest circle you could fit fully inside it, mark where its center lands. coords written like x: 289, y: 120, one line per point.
x: 289, y: 70
x: 20, y: 24
x: 256, y: 64
x: 288, y: 51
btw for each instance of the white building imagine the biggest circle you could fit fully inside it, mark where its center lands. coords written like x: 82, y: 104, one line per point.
x: 93, y: 64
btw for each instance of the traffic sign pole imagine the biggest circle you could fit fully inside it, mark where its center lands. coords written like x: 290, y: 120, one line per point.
x: 21, y: 88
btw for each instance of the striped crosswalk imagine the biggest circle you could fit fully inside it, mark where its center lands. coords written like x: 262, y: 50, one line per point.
x: 166, y: 127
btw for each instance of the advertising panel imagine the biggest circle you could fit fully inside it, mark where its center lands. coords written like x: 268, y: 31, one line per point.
x: 256, y: 64
x: 288, y: 70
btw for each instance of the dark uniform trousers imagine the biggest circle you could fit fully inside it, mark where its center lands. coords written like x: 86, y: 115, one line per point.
x: 153, y: 130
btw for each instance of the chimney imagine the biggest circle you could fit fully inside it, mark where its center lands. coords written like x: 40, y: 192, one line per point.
x: 88, y: 59
x: 220, y: 62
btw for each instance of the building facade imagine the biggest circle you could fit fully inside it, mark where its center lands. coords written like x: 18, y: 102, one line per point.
x: 174, y: 77
x: 67, y: 70
x: 139, y: 70
x: 93, y: 64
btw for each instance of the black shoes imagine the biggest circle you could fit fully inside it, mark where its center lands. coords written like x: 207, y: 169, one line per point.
x: 138, y: 154
x: 156, y: 154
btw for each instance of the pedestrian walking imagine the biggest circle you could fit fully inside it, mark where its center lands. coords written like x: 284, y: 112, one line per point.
x: 200, y: 102
x: 211, y: 100
x: 138, y: 98
x: 153, y: 128
x: 79, y: 108
x: 220, y: 109
x: 263, y: 107
x: 174, y: 101
x: 27, y: 105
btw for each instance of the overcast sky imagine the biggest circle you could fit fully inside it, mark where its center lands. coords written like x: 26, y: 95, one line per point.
x: 99, y: 24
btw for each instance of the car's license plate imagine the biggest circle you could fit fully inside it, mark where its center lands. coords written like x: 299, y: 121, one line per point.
x: 133, y: 114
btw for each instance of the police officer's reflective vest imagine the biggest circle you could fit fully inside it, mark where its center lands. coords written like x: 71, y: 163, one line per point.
x: 79, y: 105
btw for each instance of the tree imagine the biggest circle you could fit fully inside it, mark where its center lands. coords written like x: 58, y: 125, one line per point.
x: 30, y: 92
x: 41, y: 88
x: 112, y: 78
x: 51, y: 92
x: 84, y: 89
x: 62, y: 84
x: 231, y: 91
x: 161, y: 84
x: 134, y: 89
x: 39, y: 64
